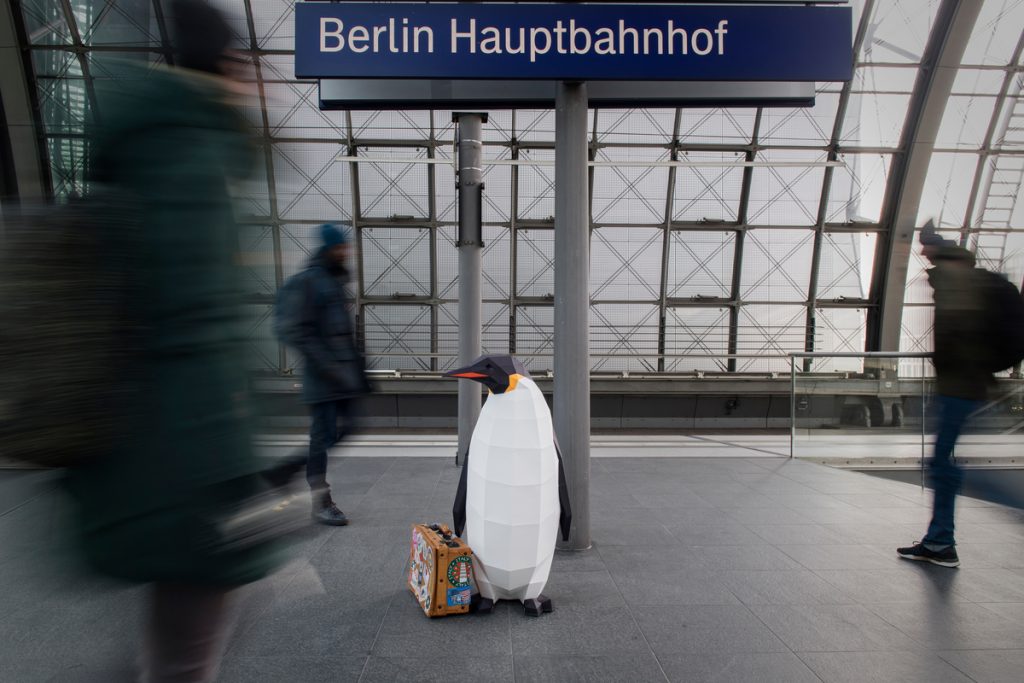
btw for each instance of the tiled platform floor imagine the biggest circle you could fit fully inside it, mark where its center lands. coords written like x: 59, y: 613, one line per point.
x: 724, y: 569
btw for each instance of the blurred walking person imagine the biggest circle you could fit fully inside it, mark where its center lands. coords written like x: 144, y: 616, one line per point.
x: 148, y: 511
x: 963, y: 369
x: 312, y: 316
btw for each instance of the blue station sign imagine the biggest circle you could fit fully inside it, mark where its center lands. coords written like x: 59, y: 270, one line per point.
x: 573, y: 42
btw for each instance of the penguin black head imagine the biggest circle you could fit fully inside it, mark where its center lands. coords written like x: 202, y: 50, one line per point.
x: 498, y: 373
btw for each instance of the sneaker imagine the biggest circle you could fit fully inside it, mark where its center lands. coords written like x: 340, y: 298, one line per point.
x: 946, y: 557
x: 330, y: 515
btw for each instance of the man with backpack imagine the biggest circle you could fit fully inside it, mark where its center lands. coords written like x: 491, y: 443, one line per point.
x: 312, y: 316
x: 972, y: 309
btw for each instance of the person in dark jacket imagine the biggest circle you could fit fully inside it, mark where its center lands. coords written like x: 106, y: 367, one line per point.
x: 312, y: 316
x: 149, y: 511
x: 962, y: 382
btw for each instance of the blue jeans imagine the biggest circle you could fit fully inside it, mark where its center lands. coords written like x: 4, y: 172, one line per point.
x: 324, y: 433
x: 946, y: 475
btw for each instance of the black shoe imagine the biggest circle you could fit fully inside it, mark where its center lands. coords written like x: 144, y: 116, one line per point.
x: 946, y: 557
x: 330, y: 515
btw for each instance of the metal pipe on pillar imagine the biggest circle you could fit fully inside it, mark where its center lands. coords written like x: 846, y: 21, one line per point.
x: 572, y: 304
x: 470, y: 245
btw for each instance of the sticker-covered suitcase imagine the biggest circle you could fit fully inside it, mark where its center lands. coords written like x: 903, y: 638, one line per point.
x: 440, y: 569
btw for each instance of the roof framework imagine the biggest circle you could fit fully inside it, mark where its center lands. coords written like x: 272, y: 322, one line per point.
x: 711, y: 266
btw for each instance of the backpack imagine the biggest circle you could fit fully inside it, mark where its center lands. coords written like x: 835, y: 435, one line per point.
x: 68, y: 332
x: 1004, y: 322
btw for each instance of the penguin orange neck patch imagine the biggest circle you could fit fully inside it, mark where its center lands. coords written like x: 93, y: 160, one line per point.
x: 513, y: 380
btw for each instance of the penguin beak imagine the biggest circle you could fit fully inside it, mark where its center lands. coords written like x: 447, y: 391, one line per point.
x: 467, y: 375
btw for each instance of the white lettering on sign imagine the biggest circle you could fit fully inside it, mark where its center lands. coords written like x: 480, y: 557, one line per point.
x: 399, y: 37
x: 396, y: 39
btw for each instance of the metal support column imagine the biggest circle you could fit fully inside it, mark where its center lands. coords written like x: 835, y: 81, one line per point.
x: 572, y: 304
x: 470, y: 245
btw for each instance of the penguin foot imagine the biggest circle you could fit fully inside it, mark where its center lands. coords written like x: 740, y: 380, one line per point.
x: 481, y: 605
x: 536, y: 606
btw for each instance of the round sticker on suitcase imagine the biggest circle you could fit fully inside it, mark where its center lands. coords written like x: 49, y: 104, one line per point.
x: 458, y: 571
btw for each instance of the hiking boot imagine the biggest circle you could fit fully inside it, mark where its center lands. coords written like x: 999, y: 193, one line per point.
x: 946, y: 557
x: 328, y: 513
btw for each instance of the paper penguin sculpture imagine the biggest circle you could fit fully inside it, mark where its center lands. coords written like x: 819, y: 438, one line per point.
x: 512, y: 498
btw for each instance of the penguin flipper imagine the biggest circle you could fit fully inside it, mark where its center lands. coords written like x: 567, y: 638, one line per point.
x: 459, y: 508
x: 565, y: 518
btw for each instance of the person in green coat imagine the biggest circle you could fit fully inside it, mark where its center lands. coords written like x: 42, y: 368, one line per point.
x: 146, y: 512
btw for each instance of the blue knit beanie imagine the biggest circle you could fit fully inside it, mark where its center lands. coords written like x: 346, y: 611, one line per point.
x: 331, y: 235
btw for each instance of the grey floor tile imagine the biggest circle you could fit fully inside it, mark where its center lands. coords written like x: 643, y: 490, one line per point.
x: 635, y: 534
x: 622, y: 559
x: 914, y: 583
x: 700, y: 629
x: 742, y: 667
x: 796, y: 534
x: 606, y: 629
x: 582, y: 589
x: 277, y: 669
x: 454, y: 663
x: 832, y: 628
x: 682, y: 587
x: 795, y: 587
x: 1001, y: 554
x: 578, y: 561
x: 683, y: 499
x: 637, y: 668
x: 716, y: 532
x: 744, y: 557
x: 881, y: 667
x: 836, y: 557
x: 953, y: 625
x: 988, y: 666
x: 990, y: 584
x: 1014, y: 611
x: 769, y: 515
x: 407, y: 630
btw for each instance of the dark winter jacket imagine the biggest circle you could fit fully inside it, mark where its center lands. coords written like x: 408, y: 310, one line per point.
x: 960, y: 344
x: 312, y: 316
x: 145, y: 512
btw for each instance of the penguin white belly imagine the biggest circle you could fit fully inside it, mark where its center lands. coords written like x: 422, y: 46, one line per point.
x: 512, y: 508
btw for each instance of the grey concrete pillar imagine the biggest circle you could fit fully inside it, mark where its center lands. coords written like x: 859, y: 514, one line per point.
x: 470, y: 245
x: 572, y: 304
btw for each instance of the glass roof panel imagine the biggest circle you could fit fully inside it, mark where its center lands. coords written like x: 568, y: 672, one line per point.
x: 45, y: 23
x: 898, y: 31
x: 947, y: 188
x: 396, y: 261
x: 537, y: 185
x: 722, y: 126
x: 630, y: 194
x: 274, y: 23
x: 708, y: 193
x: 310, y: 183
x: 874, y: 120
x: 626, y: 332
x: 117, y: 23
x: 625, y: 263
x: 802, y: 126
x: 858, y: 188
x: 293, y: 111
x: 786, y: 195
x: 700, y: 264
x: 847, y: 259
x: 776, y: 265
x: 996, y: 32
x: 768, y: 333
x: 636, y: 126
x: 965, y: 122
x: 389, y: 186
x: 391, y: 125
x: 884, y: 79
x: 978, y: 82
x: 693, y: 336
x: 535, y: 274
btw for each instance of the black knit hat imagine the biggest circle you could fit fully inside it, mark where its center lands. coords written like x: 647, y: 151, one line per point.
x: 201, y: 35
